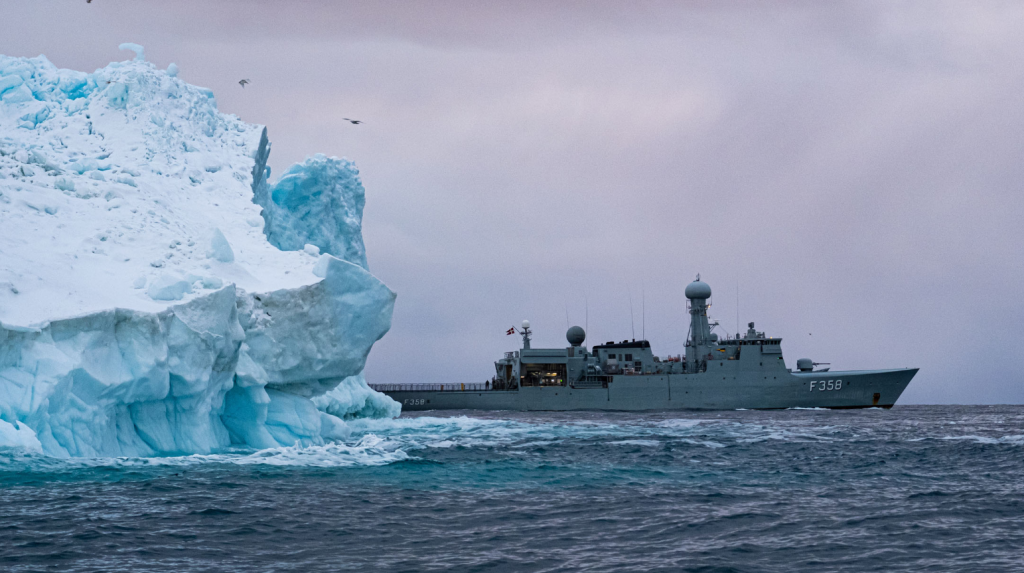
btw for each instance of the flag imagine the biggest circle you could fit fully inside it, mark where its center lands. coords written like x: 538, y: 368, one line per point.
x: 510, y: 331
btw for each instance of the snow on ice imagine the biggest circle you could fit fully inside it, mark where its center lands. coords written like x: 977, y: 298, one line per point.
x: 158, y: 295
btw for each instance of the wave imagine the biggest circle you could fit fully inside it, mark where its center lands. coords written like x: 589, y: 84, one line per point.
x: 1014, y: 440
x: 372, y: 442
x: 650, y: 443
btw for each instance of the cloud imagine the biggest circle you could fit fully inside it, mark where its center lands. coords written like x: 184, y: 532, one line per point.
x: 852, y: 167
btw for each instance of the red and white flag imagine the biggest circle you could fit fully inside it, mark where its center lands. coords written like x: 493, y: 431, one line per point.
x: 510, y: 331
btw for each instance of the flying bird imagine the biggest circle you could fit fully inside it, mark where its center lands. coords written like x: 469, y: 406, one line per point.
x: 243, y: 82
x: 353, y: 121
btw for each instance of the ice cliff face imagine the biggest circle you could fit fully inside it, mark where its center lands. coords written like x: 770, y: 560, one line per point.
x: 158, y: 295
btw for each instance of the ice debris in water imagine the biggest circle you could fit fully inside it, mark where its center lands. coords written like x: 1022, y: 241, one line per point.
x: 142, y: 330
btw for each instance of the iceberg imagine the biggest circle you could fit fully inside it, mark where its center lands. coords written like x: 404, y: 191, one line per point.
x: 158, y: 294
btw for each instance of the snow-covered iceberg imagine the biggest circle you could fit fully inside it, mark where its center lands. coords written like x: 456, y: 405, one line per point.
x: 158, y: 294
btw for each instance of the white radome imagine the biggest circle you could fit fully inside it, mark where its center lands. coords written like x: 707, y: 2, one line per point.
x: 698, y: 290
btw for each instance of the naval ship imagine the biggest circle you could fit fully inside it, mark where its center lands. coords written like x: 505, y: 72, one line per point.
x: 745, y: 372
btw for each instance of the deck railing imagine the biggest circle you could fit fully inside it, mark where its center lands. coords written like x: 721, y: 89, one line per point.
x: 474, y: 387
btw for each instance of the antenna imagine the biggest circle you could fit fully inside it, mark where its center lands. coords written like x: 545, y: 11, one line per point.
x: 586, y: 319
x: 567, y: 315
x: 632, y: 329
x: 643, y: 306
x: 737, y: 308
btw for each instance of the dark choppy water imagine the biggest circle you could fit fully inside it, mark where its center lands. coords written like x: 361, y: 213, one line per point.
x: 911, y: 489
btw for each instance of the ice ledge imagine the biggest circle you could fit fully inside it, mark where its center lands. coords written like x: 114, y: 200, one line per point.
x: 227, y: 368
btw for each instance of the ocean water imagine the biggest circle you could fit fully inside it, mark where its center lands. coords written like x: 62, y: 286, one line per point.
x: 915, y: 488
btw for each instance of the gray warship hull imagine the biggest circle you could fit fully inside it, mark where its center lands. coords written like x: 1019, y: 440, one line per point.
x: 745, y: 372
x: 703, y: 391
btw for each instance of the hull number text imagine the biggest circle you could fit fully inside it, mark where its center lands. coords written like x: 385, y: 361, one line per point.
x: 822, y: 385
x: 413, y: 402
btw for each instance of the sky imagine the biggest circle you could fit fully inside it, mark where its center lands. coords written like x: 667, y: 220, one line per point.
x: 847, y: 175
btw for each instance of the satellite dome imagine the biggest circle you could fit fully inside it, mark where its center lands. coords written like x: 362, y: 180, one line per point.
x: 698, y: 289
x: 575, y: 336
x: 526, y: 324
